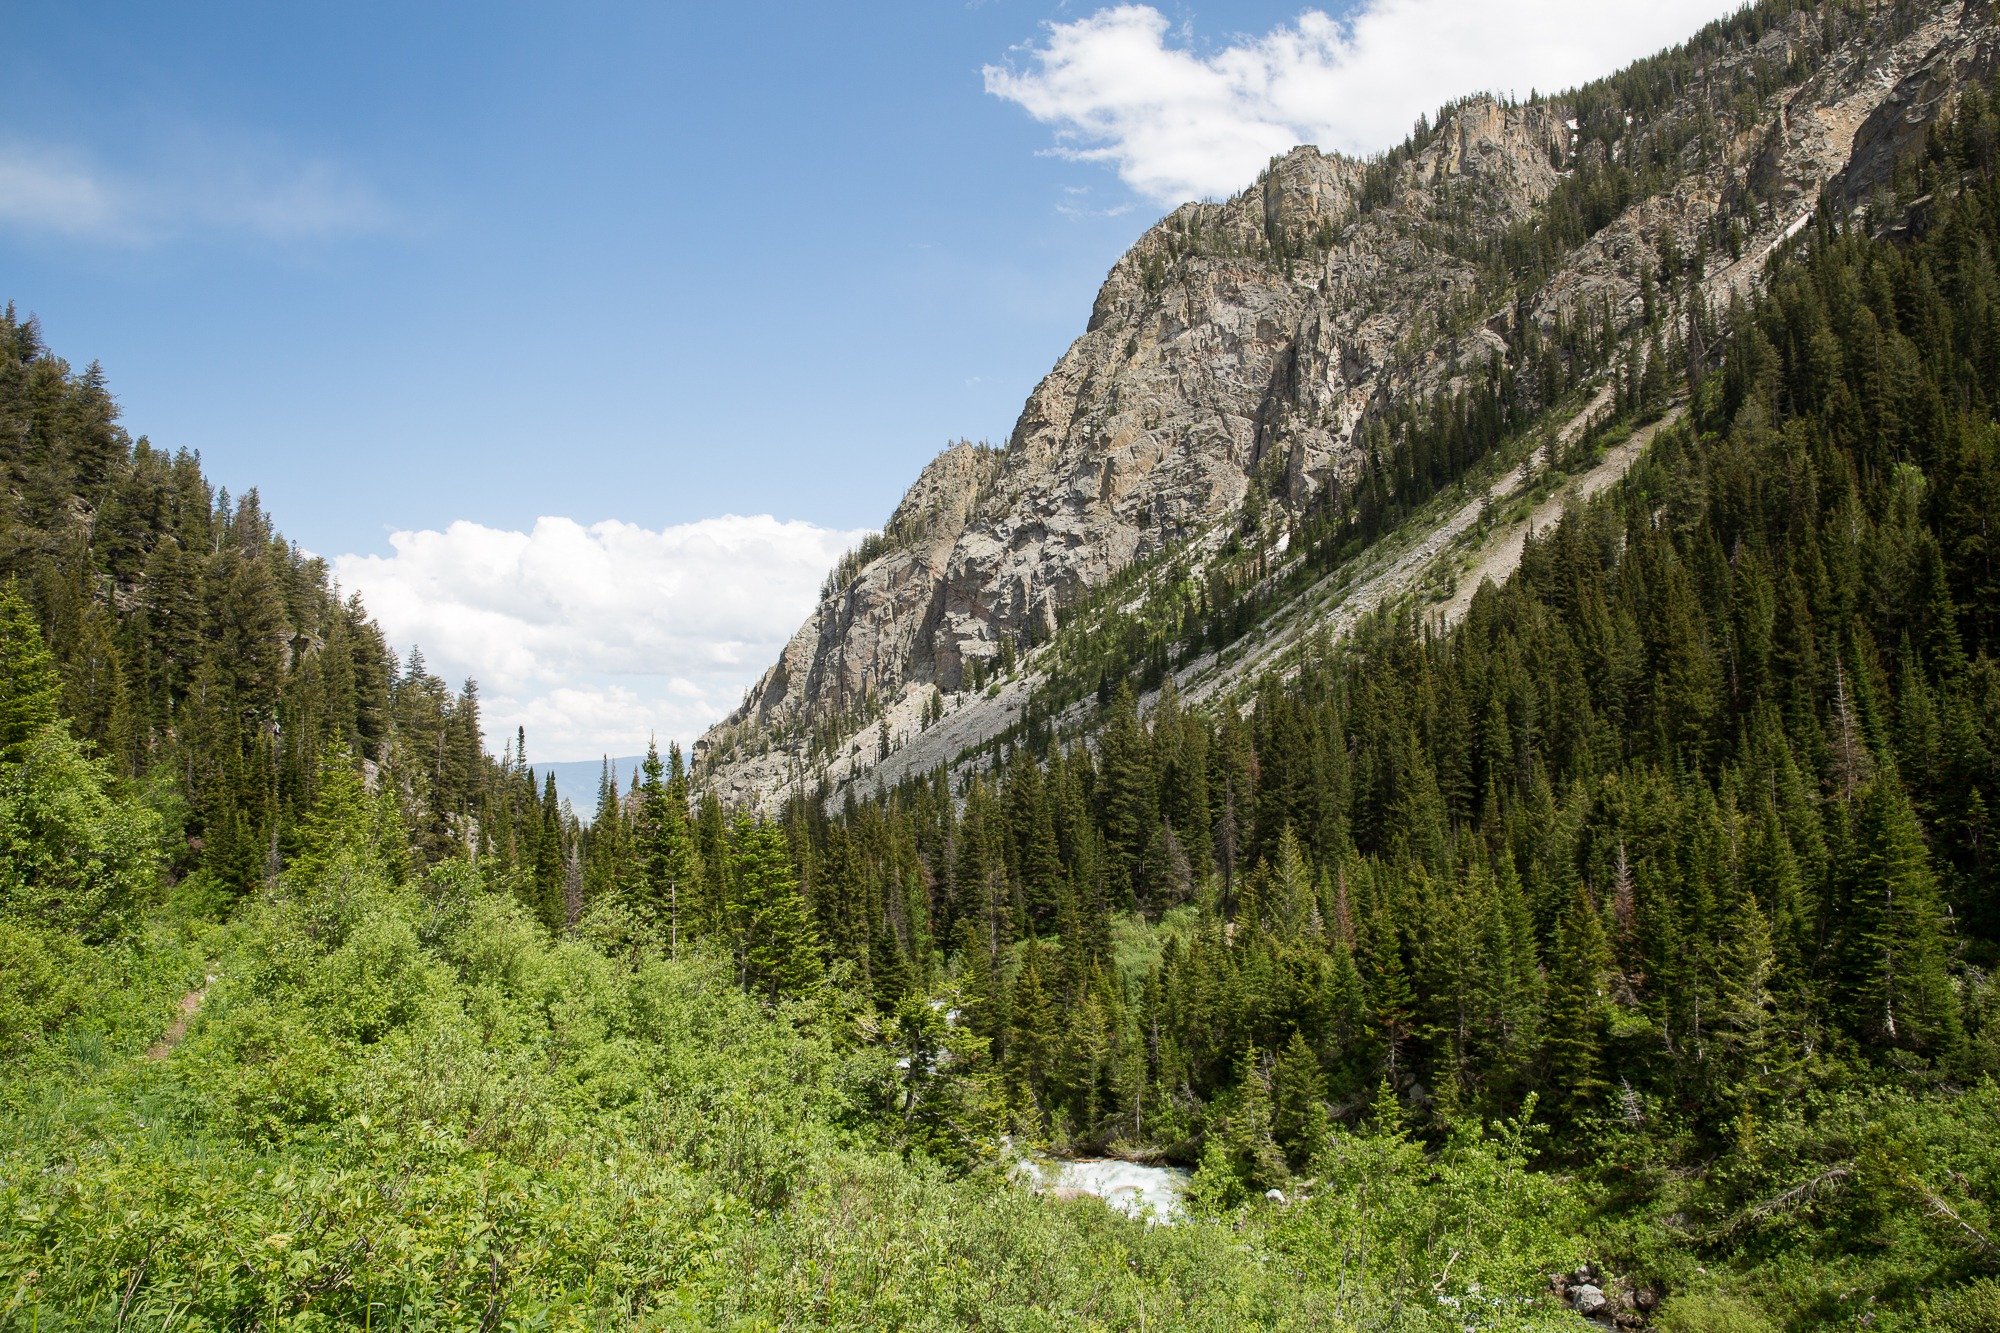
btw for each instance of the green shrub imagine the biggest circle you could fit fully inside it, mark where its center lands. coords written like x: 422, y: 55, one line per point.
x: 1709, y: 1313
x: 72, y: 857
x: 40, y: 985
x: 1971, y: 1309
x: 399, y: 1106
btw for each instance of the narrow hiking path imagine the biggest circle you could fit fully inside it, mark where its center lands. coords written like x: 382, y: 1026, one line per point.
x: 184, y: 1013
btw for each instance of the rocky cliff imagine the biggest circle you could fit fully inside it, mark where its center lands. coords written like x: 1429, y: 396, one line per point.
x: 1237, y: 354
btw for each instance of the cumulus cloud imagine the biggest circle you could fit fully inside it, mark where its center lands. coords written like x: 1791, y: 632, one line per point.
x: 594, y: 638
x: 189, y: 186
x: 1177, y: 122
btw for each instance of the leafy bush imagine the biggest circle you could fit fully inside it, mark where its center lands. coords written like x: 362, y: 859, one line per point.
x: 410, y: 1107
x: 1970, y: 1309
x: 72, y: 857
x: 1712, y: 1314
x: 39, y: 987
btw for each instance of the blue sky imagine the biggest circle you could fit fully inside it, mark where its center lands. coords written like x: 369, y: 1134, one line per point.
x: 640, y: 262
x: 448, y: 270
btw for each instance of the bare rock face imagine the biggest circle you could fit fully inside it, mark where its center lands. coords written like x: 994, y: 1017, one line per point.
x: 1923, y: 77
x: 866, y: 632
x: 1241, y: 349
x: 1255, y: 333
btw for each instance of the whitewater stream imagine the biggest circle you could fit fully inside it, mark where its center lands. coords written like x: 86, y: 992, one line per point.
x: 1149, y: 1192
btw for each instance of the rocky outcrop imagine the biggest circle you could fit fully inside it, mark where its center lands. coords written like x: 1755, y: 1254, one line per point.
x: 878, y: 618
x: 1605, y: 1301
x: 1235, y: 355
x: 1919, y: 87
x: 1254, y: 334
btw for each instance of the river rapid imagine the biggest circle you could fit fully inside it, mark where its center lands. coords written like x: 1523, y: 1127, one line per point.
x: 1151, y: 1193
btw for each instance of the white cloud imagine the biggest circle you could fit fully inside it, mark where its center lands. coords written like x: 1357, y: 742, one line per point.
x: 1178, y: 123
x: 187, y: 186
x: 595, y: 637
x: 47, y: 191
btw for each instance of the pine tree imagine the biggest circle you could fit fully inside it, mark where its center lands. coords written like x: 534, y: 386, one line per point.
x: 94, y: 690
x: 341, y: 828
x: 1126, y: 794
x: 1291, y: 900
x: 1032, y: 1034
x: 669, y: 872
x: 1517, y: 987
x: 1906, y: 995
x: 1578, y: 1001
x: 1742, y: 1021
x: 1248, y: 1129
x: 1387, y: 1116
x: 1390, y: 996
x: 29, y: 689
x: 981, y: 995
x: 606, y: 866
x: 1299, y: 1117
x: 780, y: 950
x: 545, y: 890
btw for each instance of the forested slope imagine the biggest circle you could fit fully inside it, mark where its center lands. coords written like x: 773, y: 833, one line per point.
x: 1694, y: 808
x: 213, y: 665
x: 373, y: 1078
x: 1685, y: 832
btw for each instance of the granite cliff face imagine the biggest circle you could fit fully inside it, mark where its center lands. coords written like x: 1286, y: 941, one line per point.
x: 1237, y: 352
x: 874, y: 625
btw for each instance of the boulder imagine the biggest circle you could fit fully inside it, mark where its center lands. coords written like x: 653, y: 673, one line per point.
x: 1588, y: 1299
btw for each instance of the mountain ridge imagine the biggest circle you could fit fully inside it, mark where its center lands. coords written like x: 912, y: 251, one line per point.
x: 1238, y: 355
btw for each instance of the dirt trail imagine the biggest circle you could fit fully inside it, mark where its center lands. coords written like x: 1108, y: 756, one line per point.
x: 190, y: 1006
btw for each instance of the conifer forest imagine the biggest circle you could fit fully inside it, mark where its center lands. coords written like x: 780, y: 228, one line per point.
x: 1639, y: 930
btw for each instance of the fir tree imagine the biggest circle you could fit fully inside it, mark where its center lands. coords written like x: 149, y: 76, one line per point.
x: 669, y: 872
x: 1247, y: 1131
x: 1906, y: 995
x: 1299, y: 1119
x: 780, y: 951
x: 1578, y: 1001
x: 29, y: 690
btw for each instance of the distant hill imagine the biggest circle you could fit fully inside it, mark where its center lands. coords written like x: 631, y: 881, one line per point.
x: 576, y: 780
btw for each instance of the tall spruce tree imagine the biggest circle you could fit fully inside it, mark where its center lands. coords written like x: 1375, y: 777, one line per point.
x: 667, y: 888
x: 780, y: 951
x: 30, y: 692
